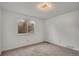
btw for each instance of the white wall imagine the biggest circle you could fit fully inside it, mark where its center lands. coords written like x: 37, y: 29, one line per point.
x: 64, y: 30
x: 0, y: 29
x: 13, y: 40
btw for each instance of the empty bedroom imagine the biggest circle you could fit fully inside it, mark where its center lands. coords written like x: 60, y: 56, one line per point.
x: 39, y: 28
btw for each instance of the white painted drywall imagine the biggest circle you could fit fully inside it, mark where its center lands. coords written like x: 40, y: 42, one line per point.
x: 11, y: 39
x: 0, y: 29
x: 64, y: 30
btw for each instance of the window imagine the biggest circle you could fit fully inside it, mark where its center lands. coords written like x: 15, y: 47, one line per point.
x: 25, y: 26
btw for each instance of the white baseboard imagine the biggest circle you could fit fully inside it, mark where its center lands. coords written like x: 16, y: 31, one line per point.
x: 22, y: 46
x: 76, y: 49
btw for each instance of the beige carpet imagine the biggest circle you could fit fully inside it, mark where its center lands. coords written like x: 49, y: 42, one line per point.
x: 41, y: 49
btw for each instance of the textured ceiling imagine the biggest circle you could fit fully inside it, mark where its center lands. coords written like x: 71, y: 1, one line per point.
x: 30, y: 8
